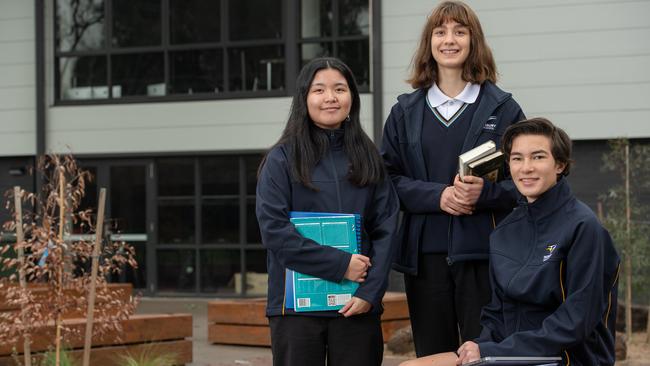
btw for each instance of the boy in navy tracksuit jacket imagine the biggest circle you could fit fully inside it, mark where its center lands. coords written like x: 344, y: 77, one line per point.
x: 553, y: 267
x: 554, y: 270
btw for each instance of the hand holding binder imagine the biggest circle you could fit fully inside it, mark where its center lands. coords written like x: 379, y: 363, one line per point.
x: 341, y: 231
x: 355, y: 306
x: 358, y: 268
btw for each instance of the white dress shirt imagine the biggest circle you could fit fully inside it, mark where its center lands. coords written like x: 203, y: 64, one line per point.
x: 447, y: 106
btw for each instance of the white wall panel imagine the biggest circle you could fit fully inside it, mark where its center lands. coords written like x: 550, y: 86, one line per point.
x: 571, y: 99
x: 401, y: 8
x: 244, y: 124
x: 564, y: 18
x: 572, y: 45
x: 17, y: 78
x: 17, y: 98
x: 602, y: 125
x: 17, y: 132
x: 19, y: 52
x: 17, y: 75
x: 19, y: 29
x: 11, y: 9
x: 582, y: 71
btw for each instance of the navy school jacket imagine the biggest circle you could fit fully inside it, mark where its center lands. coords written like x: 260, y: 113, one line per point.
x: 402, y: 153
x: 554, y: 275
x: 278, y: 193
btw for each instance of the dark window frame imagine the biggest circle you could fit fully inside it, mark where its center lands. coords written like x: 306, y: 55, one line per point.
x: 198, y: 245
x: 291, y: 42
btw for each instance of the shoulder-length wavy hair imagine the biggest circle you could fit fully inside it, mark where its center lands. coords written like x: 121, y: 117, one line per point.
x: 478, y: 67
x: 307, y: 144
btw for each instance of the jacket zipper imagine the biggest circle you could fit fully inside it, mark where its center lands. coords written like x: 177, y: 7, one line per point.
x: 336, y: 177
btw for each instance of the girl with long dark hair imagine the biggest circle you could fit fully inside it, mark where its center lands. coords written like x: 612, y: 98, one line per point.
x: 324, y: 162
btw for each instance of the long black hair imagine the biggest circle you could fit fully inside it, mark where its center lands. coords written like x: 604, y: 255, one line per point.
x: 308, y: 144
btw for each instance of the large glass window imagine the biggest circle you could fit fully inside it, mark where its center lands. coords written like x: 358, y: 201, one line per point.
x: 206, y: 206
x: 338, y: 28
x: 149, y: 50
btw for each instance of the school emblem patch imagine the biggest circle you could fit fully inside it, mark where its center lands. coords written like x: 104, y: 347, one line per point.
x: 550, y: 249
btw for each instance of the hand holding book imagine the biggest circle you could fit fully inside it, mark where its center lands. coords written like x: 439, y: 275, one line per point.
x: 468, y: 191
x: 450, y: 205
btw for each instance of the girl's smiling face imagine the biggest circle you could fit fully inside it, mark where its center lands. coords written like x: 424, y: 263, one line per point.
x: 450, y: 44
x: 329, y: 99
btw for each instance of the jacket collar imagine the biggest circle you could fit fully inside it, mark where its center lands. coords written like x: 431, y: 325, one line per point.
x: 492, y: 97
x: 549, y: 201
x: 334, y: 137
x: 413, y: 105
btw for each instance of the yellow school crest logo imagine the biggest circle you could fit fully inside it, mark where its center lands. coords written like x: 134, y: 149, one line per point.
x: 549, y: 249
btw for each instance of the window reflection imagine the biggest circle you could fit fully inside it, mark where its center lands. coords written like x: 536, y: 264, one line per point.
x: 316, y: 18
x: 128, y: 198
x: 194, y: 21
x: 221, y: 271
x: 139, y: 74
x: 214, y: 181
x: 136, y: 23
x: 256, y: 68
x: 80, y: 25
x: 353, y: 17
x: 256, y: 273
x: 310, y: 51
x: 176, y: 177
x: 176, y: 270
x: 221, y: 221
x: 252, y: 163
x: 176, y: 221
x: 255, y: 19
x: 356, y: 55
x: 83, y: 78
x: 198, y: 71
x: 253, y: 235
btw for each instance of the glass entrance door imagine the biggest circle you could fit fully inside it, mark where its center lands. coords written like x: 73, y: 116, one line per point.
x: 128, y: 216
x: 127, y: 184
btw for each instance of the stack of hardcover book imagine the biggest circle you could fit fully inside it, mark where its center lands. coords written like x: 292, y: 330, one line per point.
x: 482, y: 161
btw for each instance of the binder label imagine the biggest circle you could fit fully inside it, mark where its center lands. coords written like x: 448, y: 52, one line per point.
x: 338, y: 299
x: 304, y: 302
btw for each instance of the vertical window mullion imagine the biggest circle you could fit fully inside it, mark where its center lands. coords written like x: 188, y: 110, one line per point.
x: 57, y: 66
x: 225, y: 36
x: 291, y: 12
x: 242, y: 222
x: 164, y: 28
x: 108, y: 34
x: 335, y: 28
x: 198, y: 224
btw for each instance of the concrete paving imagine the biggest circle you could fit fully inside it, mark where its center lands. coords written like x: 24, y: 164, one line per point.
x: 206, y: 354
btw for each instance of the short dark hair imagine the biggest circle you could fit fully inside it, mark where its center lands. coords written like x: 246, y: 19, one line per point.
x: 478, y: 67
x: 560, y: 141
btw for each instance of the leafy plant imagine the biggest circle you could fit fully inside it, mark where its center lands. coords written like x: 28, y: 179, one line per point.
x: 59, y: 265
x: 149, y: 357
x: 49, y: 359
x: 626, y: 219
x: 615, y: 218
